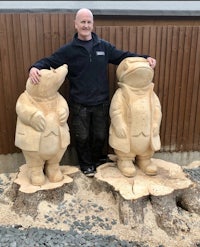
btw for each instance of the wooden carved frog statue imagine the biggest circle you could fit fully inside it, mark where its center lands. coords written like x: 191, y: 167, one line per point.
x: 135, y: 114
x: 42, y: 131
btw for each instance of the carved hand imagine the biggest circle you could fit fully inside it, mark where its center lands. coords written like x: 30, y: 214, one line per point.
x: 38, y: 121
x: 121, y: 131
x: 155, y: 129
x: 63, y: 115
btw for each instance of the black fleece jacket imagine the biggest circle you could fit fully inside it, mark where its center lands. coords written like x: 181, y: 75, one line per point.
x: 87, y: 72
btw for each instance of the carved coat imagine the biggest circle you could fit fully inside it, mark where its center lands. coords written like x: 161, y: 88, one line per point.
x: 27, y: 138
x: 138, y: 112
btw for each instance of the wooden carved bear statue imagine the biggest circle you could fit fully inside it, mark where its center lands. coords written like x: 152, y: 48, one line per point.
x: 42, y: 132
x: 135, y: 114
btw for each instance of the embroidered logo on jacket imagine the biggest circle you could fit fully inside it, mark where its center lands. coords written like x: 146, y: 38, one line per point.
x: 100, y: 53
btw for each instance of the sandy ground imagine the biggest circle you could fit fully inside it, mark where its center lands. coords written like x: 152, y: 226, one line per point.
x: 97, y: 213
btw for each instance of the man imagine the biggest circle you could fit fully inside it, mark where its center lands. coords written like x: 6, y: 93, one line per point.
x: 87, y: 58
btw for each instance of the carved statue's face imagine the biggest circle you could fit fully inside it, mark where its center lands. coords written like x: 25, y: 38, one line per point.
x: 135, y: 72
x: 50, y: 82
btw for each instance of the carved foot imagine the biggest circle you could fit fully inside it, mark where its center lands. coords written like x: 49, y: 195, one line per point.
x: 147, y: 167
x: 126, y: 167
x: 53, y: 173
x: 36, y: 176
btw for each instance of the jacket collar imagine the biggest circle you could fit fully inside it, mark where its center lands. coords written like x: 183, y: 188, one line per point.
x: 95, y: 38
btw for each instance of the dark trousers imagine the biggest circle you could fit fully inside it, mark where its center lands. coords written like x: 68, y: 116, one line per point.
x: 90, y: 128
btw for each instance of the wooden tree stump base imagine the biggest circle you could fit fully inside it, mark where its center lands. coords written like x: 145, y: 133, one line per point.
x: 26, y: 197
x: 26, y: 187
x: 168, y: 191
x: 170, y: 177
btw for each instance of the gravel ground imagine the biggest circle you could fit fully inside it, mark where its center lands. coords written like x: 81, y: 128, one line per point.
x: 194, y: 174
x: 37, y: 237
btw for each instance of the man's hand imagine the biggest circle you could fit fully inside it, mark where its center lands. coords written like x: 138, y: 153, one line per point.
x: 152, y: 62
x: 34, y: 75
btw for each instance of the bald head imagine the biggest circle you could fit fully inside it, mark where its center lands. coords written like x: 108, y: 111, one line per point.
x: 83, y: 12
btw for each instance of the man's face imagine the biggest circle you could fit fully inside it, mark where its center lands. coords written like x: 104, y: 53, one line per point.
x: 84, y: 25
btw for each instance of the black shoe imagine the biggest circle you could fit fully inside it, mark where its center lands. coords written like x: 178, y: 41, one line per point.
x: 88, y: 171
